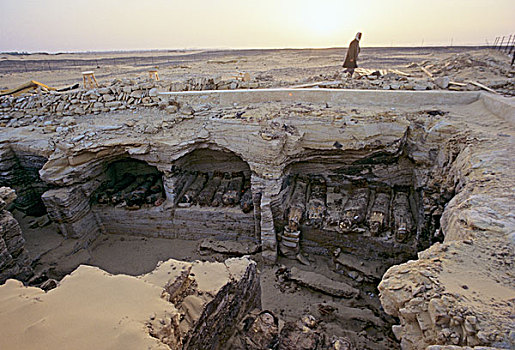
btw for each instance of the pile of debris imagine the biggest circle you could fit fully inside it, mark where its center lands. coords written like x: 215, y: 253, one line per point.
x: 452, y: 73
x: 260, y: 330
x: 458, y: 62
x: 462, y: 71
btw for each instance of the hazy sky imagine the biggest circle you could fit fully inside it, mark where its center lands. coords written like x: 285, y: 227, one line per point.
x: 79, y: 25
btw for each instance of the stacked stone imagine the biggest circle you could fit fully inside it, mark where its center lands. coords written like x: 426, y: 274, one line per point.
x: 290, y: 242
x: 14, y: 258
x: 119, y: 95
x: 70, y: 209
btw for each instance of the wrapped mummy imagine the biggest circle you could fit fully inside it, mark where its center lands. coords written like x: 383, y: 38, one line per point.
x: 378, y: 214
x: 233, y: 193
x: 193, y: 190
x: 402, y: 218
x: 316, y: 207
x: 297, y: 204
x: 355, y: 209
x: 206, y: 195
x: 246, y: 203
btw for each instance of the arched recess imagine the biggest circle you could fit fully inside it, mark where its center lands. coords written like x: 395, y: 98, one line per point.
x: 204, y: 193
x: 363, y: 207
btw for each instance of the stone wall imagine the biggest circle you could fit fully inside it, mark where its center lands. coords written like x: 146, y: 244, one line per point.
x: 118, y: 95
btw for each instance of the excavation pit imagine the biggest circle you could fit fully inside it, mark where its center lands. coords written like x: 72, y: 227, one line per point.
x: 347, y: 182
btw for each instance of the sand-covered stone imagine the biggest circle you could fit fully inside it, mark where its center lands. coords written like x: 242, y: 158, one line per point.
x: 91, y: 308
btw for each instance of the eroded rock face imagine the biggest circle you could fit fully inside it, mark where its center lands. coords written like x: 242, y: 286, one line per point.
x: 14, y: 258
x: 458, y: 293
x: 179, y: 305
x: 19, y: 170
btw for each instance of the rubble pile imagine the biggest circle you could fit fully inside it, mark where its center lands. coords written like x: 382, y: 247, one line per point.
x: 458, y: 72
x: 260, y: 330
x: 458, y: 62
x: 376, y: 81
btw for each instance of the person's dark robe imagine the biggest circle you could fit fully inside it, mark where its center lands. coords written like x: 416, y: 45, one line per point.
x: 352, y: 55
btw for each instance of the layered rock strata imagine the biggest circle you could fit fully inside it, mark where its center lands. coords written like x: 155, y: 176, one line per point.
x: 19, y: 170
x: 14, y: 258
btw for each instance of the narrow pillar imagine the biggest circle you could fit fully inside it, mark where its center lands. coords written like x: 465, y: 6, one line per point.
x: 265, y: 190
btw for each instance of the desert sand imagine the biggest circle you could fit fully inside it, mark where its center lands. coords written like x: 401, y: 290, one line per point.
x: 272, y: 68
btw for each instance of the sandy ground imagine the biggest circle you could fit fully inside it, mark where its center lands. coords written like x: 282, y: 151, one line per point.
x: 123, y: 254
x: 276, y: 67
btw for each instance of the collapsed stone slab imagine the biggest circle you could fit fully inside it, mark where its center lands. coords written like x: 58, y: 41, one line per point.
x: 321, y: 283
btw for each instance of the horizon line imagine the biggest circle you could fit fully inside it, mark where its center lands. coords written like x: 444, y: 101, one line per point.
x: 21, y: 52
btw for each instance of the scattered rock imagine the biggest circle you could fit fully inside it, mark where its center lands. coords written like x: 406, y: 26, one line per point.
x: 442, y: 82
x: 321, y: 283
x: 230, y: 247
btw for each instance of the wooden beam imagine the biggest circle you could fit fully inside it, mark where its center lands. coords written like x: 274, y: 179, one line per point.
x: 24, y: 88
x: 306, y: 85
x: 481, y: 86
x: 428, y: 73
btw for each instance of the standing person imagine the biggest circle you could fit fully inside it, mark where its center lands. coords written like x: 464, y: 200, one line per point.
x: 352, y: 55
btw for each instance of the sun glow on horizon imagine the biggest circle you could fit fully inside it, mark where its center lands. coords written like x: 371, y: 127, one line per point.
x: 93, y: 25
x: 321, y: 21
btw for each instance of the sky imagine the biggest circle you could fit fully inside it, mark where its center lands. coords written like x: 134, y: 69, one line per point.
x: 105, y: 25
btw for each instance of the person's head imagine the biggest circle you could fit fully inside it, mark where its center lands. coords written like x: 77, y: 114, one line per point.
x: 358, y: 36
